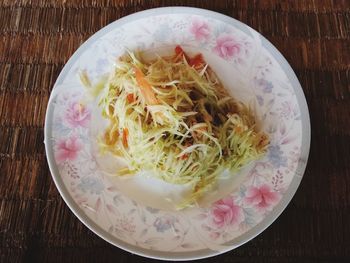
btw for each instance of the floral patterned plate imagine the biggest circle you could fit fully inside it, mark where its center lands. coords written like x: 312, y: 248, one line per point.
x: 251, y: 69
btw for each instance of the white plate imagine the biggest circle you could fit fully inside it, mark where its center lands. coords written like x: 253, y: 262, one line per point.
x: 252, y: 70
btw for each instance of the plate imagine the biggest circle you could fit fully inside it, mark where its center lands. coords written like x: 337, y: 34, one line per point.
x: 250, y: 67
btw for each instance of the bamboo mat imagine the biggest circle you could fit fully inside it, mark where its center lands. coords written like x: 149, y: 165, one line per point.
x: 37, y: 37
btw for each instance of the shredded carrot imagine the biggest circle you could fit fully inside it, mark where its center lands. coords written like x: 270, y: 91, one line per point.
x: 207, y: 117
x: 238, y: 129
x: 130, y: 97
x: 146, y: 88
x: 264, y: 140
x: 111, y: 136
x: 125, y: 137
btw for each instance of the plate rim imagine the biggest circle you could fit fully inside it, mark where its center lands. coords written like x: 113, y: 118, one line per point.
x: 203, y: 253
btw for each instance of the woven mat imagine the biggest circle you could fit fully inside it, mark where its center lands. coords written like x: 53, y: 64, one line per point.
x: 38, y: 37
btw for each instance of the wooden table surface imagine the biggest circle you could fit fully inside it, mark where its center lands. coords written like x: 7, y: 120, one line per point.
x: 37, y: 37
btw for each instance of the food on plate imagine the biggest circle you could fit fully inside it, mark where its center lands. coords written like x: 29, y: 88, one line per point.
x: 173, y: 117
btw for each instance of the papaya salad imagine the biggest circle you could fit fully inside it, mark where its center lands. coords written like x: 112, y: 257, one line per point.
x: 173, y: 117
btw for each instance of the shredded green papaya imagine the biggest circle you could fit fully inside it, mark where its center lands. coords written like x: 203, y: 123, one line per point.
x: 173, y: 117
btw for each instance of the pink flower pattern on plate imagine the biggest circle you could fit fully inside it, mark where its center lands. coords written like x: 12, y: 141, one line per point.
x: 77, y: 114
x: 68, y: 149
x: 226, y: 46
x: 200, y: 30
x: 226, y: 213
x: 263, y: 198
x: 125, y: 224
